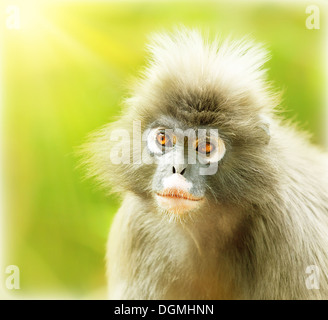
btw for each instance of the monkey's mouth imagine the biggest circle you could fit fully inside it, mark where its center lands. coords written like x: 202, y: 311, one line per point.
x: 177, y: 201
x: 178, y: 194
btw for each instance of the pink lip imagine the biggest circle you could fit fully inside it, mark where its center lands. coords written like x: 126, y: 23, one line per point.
x: 178, y: 194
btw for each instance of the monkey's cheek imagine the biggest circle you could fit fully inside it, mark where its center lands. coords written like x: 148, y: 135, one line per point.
x: 177, y: 205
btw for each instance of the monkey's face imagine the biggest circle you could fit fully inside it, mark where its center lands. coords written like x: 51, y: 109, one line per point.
x: 184, y: 157
x: 206, y: 112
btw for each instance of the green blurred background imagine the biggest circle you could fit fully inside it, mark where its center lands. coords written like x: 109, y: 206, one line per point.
x: 64, y: 74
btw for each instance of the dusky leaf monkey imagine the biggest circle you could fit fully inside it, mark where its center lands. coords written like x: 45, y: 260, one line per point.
x: 246, y: 229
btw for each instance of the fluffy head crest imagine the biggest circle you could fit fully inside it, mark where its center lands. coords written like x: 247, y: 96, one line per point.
x: 191, y: 61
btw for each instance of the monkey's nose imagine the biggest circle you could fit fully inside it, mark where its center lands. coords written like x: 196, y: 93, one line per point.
x: 175, y: 169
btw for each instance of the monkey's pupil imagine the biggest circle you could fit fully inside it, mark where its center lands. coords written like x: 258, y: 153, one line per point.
x: 208, y: 148
x: 205, y: 148
x: 161, y: 138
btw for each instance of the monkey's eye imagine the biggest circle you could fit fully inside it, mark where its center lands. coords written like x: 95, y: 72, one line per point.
x: 205, y: 148
x: 164, y: 140
x: 160, y: 139
x: 210, y: 149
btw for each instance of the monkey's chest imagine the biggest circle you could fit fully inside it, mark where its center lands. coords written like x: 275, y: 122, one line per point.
x: 173, y: 268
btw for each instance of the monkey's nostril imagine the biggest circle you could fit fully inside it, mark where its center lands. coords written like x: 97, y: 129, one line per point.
x: 175, y: 171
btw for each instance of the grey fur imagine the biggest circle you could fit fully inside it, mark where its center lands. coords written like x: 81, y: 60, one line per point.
x: 266, y: 215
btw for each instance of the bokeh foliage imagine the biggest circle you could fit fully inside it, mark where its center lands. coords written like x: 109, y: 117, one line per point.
x: 65, y: 73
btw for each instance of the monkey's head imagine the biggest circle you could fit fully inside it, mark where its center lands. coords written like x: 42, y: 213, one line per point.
x: 195, y: 130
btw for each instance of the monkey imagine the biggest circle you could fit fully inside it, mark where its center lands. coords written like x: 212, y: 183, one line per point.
x: 248, y: 217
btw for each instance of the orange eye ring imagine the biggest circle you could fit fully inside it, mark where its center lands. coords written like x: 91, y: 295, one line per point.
x: 164, y: 140
x: 161, y: 138
x: 205, y: 147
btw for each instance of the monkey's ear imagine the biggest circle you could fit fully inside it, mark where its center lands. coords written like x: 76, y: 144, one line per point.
x: 265, y: 126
